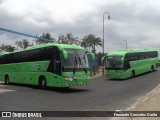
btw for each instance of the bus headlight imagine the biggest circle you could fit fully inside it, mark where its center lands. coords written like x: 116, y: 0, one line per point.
x: 68, y: 78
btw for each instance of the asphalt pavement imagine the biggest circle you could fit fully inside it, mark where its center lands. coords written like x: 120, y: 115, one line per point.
x: 101, y: 95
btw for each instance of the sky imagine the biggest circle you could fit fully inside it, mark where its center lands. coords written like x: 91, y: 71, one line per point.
x: 134, y: 21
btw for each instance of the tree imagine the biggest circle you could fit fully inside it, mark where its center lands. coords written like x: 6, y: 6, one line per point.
x: 61, y: 39
x: 90, y: 41
x: 19, y: 44
x: 86, y: 43
x: 68, y: 39
x: 23, y: 44
x: 2, y: 47
x: 46, y: 36
x: 7, y: 48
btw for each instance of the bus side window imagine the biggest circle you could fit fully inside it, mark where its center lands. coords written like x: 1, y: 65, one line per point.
x: 33, y: 55
x: 8, y: 58
x: 151, y: 54
x: 156, y: 54
x: 2, y: 59
x: 23, y: 57
x: 15, y: 57
x: 141, y: 56
x: 145, y: 55
x: 57, y: 63
x: 126, y: 63
x: 46, y: 53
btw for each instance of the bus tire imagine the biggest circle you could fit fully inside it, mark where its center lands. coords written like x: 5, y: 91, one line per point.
x: 133, y: 74
x: 42, y: 82
x: 6, y: 81
x: 152, y: 68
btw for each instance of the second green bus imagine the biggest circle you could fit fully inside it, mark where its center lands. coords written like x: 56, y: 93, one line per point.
x: 124, y: 64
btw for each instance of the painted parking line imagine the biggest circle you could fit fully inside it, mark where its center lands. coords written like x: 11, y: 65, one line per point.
x: 3, y: 90
x: 6, y: 90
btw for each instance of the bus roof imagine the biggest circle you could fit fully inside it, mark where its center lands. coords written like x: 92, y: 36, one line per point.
x: 3, y: 53
x: 123, y: 52
x: 60, y: 46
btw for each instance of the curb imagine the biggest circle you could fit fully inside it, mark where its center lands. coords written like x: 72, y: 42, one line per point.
x: 96, y: 75
x: 149, y: 102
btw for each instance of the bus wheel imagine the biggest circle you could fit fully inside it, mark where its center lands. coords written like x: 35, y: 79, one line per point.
x: 42, y: 83
x: 152, y: 68
x: 6, y: 80
x: 132, y: 74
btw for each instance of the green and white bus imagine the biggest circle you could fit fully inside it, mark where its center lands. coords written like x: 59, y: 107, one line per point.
x: 46, y: 65
x: 129, y: 63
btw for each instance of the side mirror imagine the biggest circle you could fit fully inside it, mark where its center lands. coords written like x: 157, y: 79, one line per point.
x: 92, y: 55
x: 103, y: 59
x: 65, y: 54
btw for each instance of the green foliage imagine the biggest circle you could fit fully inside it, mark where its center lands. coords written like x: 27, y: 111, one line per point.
x: 23, y: 44
x: 68, y: 39
x: 7, y: 48
x: 90, y: 42
x: 46, y: 36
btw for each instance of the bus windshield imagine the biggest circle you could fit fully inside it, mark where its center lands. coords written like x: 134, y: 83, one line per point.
x: 114, y: 62
x: 76, y: 59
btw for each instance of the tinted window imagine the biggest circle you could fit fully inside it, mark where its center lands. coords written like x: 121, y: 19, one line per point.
x: 29, y: 56
x: 41, y: 54
x: 48, y: 53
